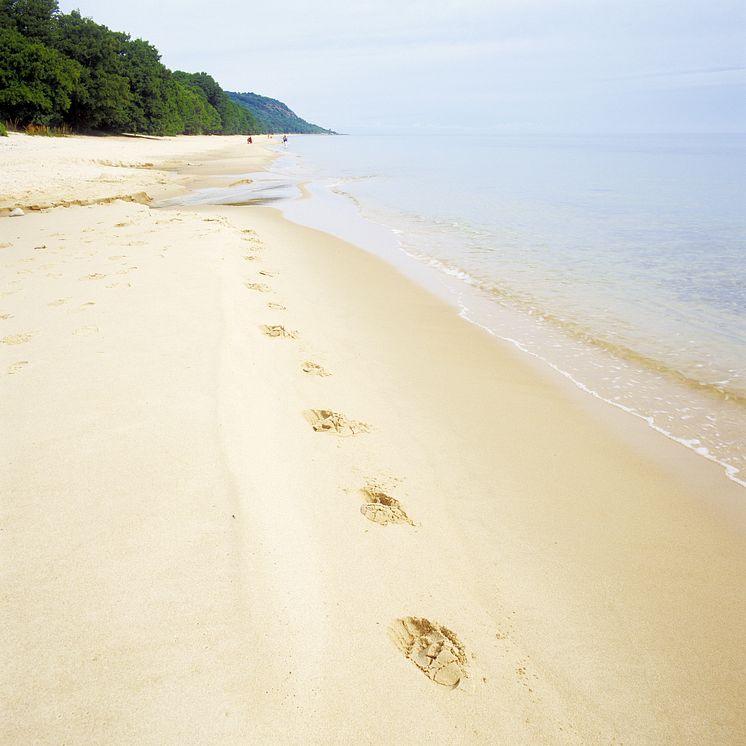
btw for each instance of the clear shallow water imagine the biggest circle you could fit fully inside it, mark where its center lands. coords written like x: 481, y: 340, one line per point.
x: 618, y: 260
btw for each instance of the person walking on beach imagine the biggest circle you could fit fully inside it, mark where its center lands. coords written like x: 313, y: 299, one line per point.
x: 249, y: 140
x: 285, y: 140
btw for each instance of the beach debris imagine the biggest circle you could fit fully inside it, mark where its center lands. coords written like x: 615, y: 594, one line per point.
x: 16, y: 212
x: 258, y: 286
x: 277, y: 330
x: 267, y: 274
x: 326, y: 421
x: 434, y: 649
x: 17, y: 339
x: 315, y: 369
x: 381, y: 508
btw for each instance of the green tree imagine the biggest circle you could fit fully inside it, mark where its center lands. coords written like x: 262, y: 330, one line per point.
x: 234, y: 119
x: 63, y: 68
x: 36, y: 83
x: 195, y: 113
x: 32, y: 18
x: 102, y: 99
x: 152, y: 105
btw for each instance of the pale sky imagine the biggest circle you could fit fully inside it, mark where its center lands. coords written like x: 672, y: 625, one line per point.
x: 466, y: 66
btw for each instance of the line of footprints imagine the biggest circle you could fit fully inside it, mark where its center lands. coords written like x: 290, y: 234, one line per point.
x: 433, y: 648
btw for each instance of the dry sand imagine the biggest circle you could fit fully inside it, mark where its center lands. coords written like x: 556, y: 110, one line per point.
x: 260, y: 488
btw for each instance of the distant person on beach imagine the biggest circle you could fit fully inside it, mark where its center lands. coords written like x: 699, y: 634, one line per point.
x: 249, y: 140
x: 285, y: 140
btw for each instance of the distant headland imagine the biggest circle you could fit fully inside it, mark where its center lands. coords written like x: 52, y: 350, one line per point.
x: 275, y: 116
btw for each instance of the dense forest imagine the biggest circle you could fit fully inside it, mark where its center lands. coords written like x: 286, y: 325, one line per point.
x: 64, y: 71
x: 276, y: 116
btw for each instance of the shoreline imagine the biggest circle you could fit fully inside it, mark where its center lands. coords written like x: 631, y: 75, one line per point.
x: 192, y: 562
x: 714, y: 421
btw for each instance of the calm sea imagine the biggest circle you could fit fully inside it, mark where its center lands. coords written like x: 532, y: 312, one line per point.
x: 618, y: 260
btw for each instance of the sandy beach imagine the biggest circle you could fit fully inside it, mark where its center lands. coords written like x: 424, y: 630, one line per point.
x: 259, y: 487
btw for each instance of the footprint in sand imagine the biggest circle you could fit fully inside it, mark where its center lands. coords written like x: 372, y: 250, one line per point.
x: 326, y: 421
x: 15, y: 367
x: 16, y: 339
x: 315, y: 369
x: 253, y: 240
x: 277, y: 330
x: 382, y: 508
x: 57, y: 302
x: 94, y: 276
x: 276, y: 306
x: 86, y: 331
x: 249, y: 257
x: 4, y: 316
x: 434, y: 649
x: 258, y: 286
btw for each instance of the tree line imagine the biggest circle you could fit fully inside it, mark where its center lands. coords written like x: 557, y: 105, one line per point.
x: 61, y: 69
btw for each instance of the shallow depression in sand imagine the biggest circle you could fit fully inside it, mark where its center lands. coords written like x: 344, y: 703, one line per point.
x: 382, y: 508
x: 324, y: 420
x: 434, y: 649
x: 277, y: 330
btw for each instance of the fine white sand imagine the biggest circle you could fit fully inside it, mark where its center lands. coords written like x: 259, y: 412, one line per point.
x: 260, y: 488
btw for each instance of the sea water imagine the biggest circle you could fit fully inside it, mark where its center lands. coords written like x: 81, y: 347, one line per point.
x: 619, y: 261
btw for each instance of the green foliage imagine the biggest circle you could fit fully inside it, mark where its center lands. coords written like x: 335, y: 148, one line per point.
x: 3, y: 130
x: 36, y: 83
x: 63, y: 70
x: 152, y: 108
x: 234, y: 119
x: 196, y: 115
x: 274, y: 116
x: 103, y: 98
x: 31, y: 18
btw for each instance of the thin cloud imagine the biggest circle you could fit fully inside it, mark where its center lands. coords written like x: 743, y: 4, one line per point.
x: 678, y: 73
